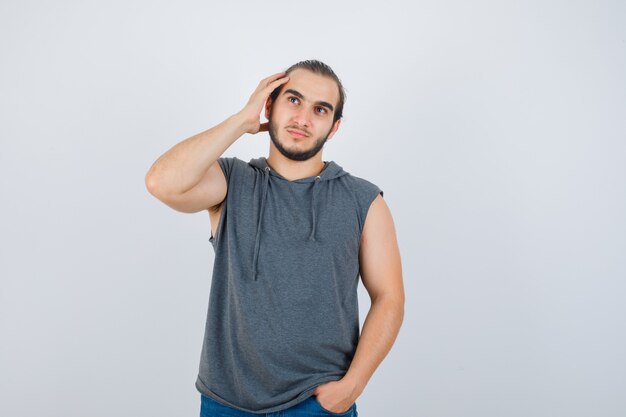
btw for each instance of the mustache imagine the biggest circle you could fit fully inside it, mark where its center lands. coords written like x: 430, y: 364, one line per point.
x: 306, y: 132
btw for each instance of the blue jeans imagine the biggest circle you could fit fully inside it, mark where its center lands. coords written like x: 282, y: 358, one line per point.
x: 310, y: 407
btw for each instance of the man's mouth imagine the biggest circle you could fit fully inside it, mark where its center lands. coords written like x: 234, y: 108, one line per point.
x: 297, y: 133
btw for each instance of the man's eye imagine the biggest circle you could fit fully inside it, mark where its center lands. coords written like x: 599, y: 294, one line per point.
x: 290, y: 98
x: 322, y: 108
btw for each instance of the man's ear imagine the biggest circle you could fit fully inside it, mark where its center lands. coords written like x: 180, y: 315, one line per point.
x: 334, y: 129
x: 268, y: 104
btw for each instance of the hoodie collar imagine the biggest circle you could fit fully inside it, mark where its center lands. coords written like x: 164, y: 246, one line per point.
x: 331, y: 171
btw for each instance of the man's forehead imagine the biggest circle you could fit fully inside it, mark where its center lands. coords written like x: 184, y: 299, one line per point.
x: 313, y: 87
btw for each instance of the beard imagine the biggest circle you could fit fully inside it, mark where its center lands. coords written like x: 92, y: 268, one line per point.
x: 296, y: 155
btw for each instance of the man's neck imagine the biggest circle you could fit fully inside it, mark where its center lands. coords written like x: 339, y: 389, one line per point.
x: 294, y: 170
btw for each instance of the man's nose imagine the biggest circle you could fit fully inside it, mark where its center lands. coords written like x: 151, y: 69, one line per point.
x: 302, y: 117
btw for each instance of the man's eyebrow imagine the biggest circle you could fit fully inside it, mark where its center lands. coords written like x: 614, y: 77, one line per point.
x: 299, y: 95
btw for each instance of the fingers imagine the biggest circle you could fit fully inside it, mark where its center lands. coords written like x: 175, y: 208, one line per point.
x: 272, y: 78
x: 270, y: 83
x: 260, y: 96
x: 278, y: 82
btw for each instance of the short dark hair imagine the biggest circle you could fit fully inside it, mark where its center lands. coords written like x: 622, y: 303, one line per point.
x: 320, y: 68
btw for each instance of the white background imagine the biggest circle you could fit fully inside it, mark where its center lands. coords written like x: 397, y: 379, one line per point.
x: 496, y: 130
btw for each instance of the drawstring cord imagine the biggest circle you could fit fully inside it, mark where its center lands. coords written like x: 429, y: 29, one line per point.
x: 258, y: 227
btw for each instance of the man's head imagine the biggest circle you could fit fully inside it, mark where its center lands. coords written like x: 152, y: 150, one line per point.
x: 310, y: 102
x: 319, y: 68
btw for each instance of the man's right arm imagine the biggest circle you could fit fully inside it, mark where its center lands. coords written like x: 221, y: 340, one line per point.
x: 187, y: 177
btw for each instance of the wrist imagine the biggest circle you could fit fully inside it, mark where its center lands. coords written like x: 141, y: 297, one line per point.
x: 243, y: 125
x: 356, y: 385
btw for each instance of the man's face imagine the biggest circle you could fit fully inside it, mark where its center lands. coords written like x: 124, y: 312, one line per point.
x: 306, y: 104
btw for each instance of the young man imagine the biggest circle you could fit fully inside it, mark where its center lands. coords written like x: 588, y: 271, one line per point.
x: 292, y: 233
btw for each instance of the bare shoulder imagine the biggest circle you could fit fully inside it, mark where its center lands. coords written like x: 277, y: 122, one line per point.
x: 379, y: 255
x: 379, y: 219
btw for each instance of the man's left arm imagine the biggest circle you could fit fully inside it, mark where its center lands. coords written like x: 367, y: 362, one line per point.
x: 381, y: 274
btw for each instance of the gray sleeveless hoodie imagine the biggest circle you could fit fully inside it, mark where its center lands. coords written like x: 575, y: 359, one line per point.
x: 283, y: 312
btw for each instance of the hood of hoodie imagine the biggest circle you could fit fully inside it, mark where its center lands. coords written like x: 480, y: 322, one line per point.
x: 330, y: 172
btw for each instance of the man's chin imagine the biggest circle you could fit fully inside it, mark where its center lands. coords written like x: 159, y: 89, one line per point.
x: 297, y: 154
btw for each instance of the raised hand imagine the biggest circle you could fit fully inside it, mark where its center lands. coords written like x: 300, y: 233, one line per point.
x: 251, y: 113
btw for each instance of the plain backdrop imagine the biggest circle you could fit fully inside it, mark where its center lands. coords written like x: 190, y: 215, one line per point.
x: 496, y: 129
